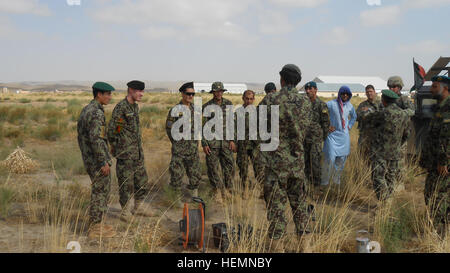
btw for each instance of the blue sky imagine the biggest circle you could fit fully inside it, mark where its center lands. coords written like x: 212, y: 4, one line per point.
x: 226, y: 40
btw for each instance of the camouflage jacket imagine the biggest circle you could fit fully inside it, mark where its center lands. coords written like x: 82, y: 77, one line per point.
x: 320, y: 125
x: 391, y: 127
x: 361, y: 113
x: 182, y: 147
x: 246, y: 144
x: 437, y: 146
x: 91, y: 128
x: 295, y: 118
x: 124, y: 133
x: 406, y: 104
x: 217, y: 143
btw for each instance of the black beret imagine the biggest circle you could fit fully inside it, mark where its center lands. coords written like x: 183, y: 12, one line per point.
x: 270, y: 87
x: 186, y: 86
x: 137, y: 85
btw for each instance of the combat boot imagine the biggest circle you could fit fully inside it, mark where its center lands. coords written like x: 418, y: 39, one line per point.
x: 126, y: 215
x: 101, y: 230
x: 139, y: 209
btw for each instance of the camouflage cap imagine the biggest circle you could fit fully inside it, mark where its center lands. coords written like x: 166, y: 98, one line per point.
x: 217, y: 86
x: 390, y: 94
x: 103, y: 86
x: 444, y: 79
x: 395, y: 80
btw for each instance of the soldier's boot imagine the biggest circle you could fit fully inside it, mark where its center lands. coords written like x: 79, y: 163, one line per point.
x: 101, y: 230
x: 125, y: 214
x: 275, y: 245
x: 194, y: 193
x: 140, y: 209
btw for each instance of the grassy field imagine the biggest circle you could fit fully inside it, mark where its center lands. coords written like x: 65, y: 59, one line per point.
x: 42, y: 211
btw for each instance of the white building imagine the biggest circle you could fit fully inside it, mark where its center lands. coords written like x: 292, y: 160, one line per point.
x: 377, y: 82
x: 233, y: 88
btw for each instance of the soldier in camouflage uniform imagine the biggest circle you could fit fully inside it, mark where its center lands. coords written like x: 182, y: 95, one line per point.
x: 124, y: 135
x: 435, y: 157
x: 284, y: 167
x: 91, y: 128
x: 185, y: 157
x: 248, y: 150
x: 372, y: 104
x: 317, y: 133
x: 219, y: 152
x: 391, y: 129
x: 395, y: 83
x: 270, y: 88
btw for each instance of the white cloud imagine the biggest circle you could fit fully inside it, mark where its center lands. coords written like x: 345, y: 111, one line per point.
x: 300, y: 3
x: 425, y: 3
x: 380, y: 16
x: 157, y: 33
x: 273, y: 22
x: 337, y: 36
x: 427, y: 47
x: 211, y: 18
x: 6, y: 28
x: 24, y: 7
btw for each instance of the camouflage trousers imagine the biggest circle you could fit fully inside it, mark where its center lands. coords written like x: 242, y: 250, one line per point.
x: 243, y: 159
x: 101, y: 187
x: 364, y: 145
x: 179, y: 165
x: 385, y: 174
x: 222, y: 157
x: 437, y: 197
x: 278, y: 189
x: 313, y: 158
x: 133, y: 179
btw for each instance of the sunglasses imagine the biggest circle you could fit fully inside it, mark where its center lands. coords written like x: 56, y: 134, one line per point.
x: 394, y: 86
x: 189, y: 94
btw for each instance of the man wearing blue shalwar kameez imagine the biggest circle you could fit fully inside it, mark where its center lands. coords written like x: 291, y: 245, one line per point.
x: 337, y: 145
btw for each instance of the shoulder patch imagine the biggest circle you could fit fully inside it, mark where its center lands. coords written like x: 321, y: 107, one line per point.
x: 103, y: 132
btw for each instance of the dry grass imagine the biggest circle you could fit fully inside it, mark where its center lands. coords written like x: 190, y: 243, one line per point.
x: 55, y: 198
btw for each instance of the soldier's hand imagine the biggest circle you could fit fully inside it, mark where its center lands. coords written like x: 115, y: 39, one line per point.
x: 105, y: 169
x: 442, y: 170
x: 207, y: 150
x: 332, y: 129
x: 232, y: 146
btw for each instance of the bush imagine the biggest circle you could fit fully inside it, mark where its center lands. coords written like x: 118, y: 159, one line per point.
x: 16, y: 115
x: 50, y: 132
x: 24, y: 100
x: 6, y: 198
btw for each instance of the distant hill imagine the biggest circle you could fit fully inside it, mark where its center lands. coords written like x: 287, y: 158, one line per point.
x: 151, y: 86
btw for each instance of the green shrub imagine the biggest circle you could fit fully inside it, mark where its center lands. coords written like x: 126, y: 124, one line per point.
x: 6, y: 198
x: 23, y: 100
x: 16, y: 115
x: 398, y: 229
x: 50, y: 132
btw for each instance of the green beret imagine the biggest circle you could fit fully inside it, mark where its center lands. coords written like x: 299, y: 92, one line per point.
x: 310, y: 85
x: 217, y: 86
x: 103, y: 86
x: 444, y: 79
x: 390, y: 94
x: 137, y: 85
